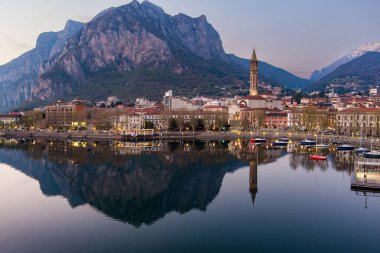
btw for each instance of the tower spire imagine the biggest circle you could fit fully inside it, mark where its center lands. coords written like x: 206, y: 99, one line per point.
x: 254, y: 72
x: 254, y: 58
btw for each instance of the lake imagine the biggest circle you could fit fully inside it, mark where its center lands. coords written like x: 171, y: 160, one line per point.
x: 180, y: 196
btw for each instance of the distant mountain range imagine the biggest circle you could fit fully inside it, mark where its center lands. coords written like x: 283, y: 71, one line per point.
x: 370, y: 47
x: 364, y: 70
x: 18, y: 77
x: 130, y: 51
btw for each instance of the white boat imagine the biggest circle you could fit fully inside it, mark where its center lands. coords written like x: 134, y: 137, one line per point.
x: 345, y: 147
x: 361, y: 150
x: 279, y: 143
x: 307, y: 142
x: 322, y: 146
x: 284, y: 139
x: 372, y: 154
x: 258, y: 140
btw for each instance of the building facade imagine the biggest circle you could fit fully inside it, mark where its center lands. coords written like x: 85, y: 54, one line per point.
x: 63, y: 114
x: 178, y: 103
x: 10, y: 119
x: 358, y: 121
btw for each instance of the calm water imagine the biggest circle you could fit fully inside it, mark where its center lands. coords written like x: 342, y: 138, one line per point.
x: 180, y: 197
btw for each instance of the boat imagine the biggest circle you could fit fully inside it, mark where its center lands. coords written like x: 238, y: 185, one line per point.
x: 345, y: 147
x: 308, y: 142
x: 322, y: 146
x: 318, y: 158
x: 372, y: 154
x: 279, y: 143
x: 335, y: 141
x: 284, y: 139
x: 361, y: 150
x: 258, y: 140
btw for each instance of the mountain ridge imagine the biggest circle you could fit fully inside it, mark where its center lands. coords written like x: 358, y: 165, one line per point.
x: 364, y: 70
x: 353, y: 54
x: 136, y: 50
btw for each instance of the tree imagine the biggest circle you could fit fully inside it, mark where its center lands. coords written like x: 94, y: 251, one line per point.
x: 149, y: 125
x: 297, y: 97
x: 245, y: 124
x: 200, y: 124
x: 309, y: 118
x: 193, y: 122
x: 220, y: 123
x: 181, y: 123
x: 173, y: 124
x: 32, y: 118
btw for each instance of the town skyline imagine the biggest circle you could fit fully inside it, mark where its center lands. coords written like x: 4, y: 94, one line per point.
x: 356, y: 22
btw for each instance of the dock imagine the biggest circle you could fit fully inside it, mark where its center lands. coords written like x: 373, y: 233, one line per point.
x: 366, y: 175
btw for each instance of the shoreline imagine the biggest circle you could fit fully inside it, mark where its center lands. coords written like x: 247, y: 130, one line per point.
x: 205, y: 136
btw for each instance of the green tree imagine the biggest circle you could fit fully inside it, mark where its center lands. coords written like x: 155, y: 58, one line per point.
x: 173, y: 124
x: 149, y: 125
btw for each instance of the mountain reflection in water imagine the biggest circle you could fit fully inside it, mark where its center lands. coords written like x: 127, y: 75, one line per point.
x: 139, y: 183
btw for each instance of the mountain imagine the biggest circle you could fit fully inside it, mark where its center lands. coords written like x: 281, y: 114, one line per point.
x: 139, y: 50
x: 370, y: 47
x: 364, y: 70
x: 131, y: 51
x: 18, y: 77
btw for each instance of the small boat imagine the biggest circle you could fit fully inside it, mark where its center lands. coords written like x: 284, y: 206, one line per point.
x: 279, y: 143
x: 345, y: 147
x: 318, y: 158
x: 284, y: 139
x: 335, y: 141
x: 322, y: 145
x: 361, y: 150
x: 308, y: 142
x: 258, y: 140
x: 372, y: 154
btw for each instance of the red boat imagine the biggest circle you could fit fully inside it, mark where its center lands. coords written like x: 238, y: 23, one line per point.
x: 318, y: 158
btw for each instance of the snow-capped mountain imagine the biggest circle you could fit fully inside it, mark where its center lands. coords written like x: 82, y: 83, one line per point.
x: 369, y: 47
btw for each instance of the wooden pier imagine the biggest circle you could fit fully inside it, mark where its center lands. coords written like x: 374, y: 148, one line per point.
x: 366, y: 175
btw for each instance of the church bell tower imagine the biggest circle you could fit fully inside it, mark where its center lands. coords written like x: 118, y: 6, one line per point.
x: 254, y: 72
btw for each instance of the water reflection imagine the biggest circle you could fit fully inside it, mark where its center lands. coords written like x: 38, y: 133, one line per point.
x: 139, y: 183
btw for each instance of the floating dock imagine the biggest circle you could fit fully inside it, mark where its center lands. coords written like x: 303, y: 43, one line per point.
x: 366, y: 175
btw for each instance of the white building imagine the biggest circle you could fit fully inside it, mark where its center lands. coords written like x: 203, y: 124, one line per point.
x: 260, y: 102
x: 179, y: 103
x: 129, y: 121
x: 216, y: 103
x: 373, y: 92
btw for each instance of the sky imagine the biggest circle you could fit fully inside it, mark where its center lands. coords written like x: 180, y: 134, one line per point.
x: 297, y: 35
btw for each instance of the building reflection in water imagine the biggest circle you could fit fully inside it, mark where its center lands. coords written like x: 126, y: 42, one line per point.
x: 139, y: 183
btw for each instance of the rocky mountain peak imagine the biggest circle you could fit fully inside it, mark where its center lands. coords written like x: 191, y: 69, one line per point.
x: 72, y: 26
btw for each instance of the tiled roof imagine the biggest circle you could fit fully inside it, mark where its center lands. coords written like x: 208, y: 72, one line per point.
x: 249, y: 97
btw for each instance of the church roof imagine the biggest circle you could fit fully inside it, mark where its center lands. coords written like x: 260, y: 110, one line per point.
x: 257, y: 97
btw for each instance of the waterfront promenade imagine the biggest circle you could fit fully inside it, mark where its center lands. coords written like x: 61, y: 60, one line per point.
x: 168, y: 135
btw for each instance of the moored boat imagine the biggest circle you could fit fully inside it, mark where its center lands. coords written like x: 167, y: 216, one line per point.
x: 322, y: 145
x: 345, y: 147
x: 307, y: 142
x: 258, y: 140
x: 284, y: 139
x: 279, y: 143
x: 361, y: 150
x: 318, y: 158
x: 372, y: 154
